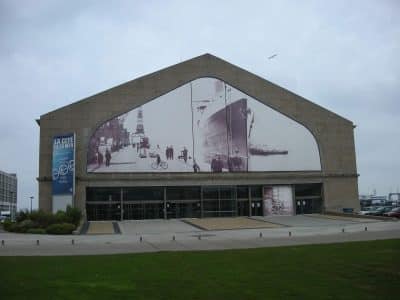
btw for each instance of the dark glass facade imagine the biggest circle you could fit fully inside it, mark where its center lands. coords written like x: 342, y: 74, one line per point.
x: 137, y: 203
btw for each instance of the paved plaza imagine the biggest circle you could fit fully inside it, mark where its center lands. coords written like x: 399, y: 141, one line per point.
x: 179, y: 235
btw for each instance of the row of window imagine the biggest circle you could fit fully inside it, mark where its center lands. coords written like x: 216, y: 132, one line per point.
x: 173, y: 193
x: 189, y: 193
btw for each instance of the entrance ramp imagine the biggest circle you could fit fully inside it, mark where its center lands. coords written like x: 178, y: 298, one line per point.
x: 102, y: 227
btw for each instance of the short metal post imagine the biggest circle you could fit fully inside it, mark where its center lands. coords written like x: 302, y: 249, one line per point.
x: 343, y: 230
x: 141, y: 239
x: 290, y: 233
x: 366, y: 229
x: 37, y: 242
x: 2, y: 242
x: 261, y: 235
x: 173, y: 238
x: 72, y: 242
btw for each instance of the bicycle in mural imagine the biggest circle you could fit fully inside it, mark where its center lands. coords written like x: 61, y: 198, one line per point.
x: 159, y: 164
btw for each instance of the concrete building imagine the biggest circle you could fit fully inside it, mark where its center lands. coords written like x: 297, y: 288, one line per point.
x: 8, y: 194
x: 198, y: 139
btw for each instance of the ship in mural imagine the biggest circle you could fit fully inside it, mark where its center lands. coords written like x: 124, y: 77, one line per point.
x: 224, y: 138
x: 264, y: 150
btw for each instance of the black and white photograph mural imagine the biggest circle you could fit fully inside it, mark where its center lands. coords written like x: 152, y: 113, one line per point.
x: 278, y: 201
x: 203, y: 126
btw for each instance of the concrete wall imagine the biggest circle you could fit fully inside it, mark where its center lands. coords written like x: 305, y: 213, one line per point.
x: 333, y: 133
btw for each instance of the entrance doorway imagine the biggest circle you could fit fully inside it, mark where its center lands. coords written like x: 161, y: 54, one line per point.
x: 183, y: 209
x: 304, y: 206
x: 219, y: 201
x: 308, y: 198
x: 256, y: 208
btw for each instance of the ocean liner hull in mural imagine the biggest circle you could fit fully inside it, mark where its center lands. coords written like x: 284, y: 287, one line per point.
x: 224, y: 137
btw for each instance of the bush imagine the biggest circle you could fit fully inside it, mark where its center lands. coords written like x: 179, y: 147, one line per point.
x: 41, y: 222
x: 61, y: 217
x: 73, y: 215
x: 36, y: 231
x: 22, y: 215
x: 8, y: 225
x: 43, y: 219
x: 24, y: 226
x: 63, y: 228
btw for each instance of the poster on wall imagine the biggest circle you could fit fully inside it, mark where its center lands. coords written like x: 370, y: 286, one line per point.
x: 203, y: 126
x: 63, y: 171
x: 278, y: 201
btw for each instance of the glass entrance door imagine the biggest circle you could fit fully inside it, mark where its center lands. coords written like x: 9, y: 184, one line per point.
x: 139, y: 210
x: 304, y: 206
x: 183, y: 209
x: 243, y: 208
x: 219, y: 201
x: 256, y: 208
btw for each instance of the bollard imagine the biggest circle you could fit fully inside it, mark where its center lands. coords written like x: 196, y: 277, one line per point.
x: 260, y: 234
x: 37, y: 242
x: 141, y: 239
x: 2, y: 242
x: 199, y: 237
x: 366, y: 229
x: 343, y: 230
x: 73, y: 242
x: 290, y: 233
x: 173, y: 238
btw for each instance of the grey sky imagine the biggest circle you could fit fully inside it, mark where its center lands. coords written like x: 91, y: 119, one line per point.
x: 343, y: 55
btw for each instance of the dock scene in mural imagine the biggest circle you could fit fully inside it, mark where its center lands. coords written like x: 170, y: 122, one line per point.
x: 203, y: 126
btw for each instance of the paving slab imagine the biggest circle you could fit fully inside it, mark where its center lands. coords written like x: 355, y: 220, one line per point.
x: 311, y: 220
x: 141, y: 227
x: 344, y: 218
x: 231, y: 223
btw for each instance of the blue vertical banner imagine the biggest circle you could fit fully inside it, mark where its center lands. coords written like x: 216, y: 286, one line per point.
x: 63, y: 164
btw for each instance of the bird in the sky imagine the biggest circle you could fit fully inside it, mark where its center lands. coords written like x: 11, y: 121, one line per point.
x: 272, y: 56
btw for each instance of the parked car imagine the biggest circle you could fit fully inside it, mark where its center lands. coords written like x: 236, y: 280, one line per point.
x: 379, y: 211
x: 395, y: 212
x: 366, y: 210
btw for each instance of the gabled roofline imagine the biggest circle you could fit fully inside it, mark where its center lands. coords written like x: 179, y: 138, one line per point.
x: 205, y: 58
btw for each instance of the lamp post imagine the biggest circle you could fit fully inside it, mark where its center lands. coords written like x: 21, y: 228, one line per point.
x: 31, y: 202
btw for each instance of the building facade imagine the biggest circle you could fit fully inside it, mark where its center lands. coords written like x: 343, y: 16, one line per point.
x: 202, y: 138
x: 8, y: 194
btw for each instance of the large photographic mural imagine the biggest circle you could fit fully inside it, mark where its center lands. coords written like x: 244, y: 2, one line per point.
x: 203, y: 126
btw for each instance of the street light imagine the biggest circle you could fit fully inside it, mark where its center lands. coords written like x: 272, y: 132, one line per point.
x: 31, y: 202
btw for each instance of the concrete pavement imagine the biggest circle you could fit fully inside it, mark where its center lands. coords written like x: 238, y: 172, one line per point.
x: 175, y: 235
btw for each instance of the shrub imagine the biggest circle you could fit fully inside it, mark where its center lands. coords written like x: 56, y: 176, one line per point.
x: 8, y: 225
x: 63, y: 228
x: 24, y: 226
x: 43, y: 219
x: 22, y: 215
x: 73, y: 215
x: 36, y: 231
x: 61, y: 217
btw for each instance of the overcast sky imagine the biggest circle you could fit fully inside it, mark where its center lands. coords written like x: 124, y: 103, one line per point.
x: 342, y: 55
